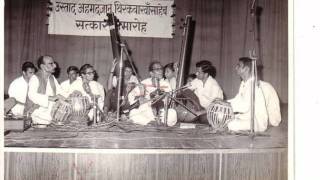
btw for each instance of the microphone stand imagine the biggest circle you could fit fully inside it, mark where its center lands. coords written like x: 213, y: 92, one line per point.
x: 252, y: 53
x: 253, y: 94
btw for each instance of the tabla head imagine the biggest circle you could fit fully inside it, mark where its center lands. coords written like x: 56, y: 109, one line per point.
x: 80, y: 106
x: 219, y: 113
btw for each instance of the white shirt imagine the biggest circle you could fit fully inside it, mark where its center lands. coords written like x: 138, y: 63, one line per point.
x: 272, y: 103
x: 241, y: 104
x: 96, y: 88
x: 65, y: 85
x: 18, y: 89
x: 42, y: 114
x: 133, y: 79
x: 206, y: 92
x: 172, y: 82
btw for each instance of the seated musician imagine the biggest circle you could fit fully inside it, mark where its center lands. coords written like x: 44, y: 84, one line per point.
x: 170, y: 75
x: 44, y: 91
x: 266, y: 102
x: 73, y: 73
x: 18, y: 88
x: 147, y: 111
x: 204, y: 89
x: 129, y: 82
x: 88, y: 87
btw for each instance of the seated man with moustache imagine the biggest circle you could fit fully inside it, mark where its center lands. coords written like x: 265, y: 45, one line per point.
x: 44, y: 92
x: 267, y: 108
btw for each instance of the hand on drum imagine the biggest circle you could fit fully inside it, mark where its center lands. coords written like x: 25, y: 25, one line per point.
x: 57, y: 98
x: 75, y: 94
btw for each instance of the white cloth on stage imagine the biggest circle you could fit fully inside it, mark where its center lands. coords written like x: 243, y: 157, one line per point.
x: 96, y: 88
x: 144, y: 114
x: 18, y: 89
x: 241, y: 104
x: 42, y: 115
x: 206, y: 92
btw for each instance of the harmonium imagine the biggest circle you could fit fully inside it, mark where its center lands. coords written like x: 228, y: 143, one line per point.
x: 15, y: 123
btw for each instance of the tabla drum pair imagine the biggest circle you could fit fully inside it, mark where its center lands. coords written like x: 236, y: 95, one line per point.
x: 73, y: 107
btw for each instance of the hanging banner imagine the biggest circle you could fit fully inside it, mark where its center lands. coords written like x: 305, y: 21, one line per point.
x: 138, y: 18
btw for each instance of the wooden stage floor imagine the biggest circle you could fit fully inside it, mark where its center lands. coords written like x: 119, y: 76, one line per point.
x: 125, y: 135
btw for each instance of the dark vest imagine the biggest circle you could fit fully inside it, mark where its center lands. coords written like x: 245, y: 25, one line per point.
x: 30, y: 106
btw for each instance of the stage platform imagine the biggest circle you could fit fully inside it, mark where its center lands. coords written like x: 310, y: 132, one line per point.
x: 129, y: 136
x: 149, y: 152
x: 125, y: 135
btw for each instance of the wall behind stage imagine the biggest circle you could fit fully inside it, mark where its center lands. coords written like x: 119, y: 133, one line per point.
x: 222, y: 35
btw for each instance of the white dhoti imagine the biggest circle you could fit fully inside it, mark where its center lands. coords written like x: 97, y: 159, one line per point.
x: 144, y: 114
x: 242, y: 122
x: 42, y: 115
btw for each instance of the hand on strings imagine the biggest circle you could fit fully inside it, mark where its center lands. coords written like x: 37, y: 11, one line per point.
x: 130, y: 86
x: 142, y: 89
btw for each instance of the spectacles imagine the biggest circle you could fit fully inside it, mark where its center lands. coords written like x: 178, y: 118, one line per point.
x: 157, y: 69
x: 90, y: 73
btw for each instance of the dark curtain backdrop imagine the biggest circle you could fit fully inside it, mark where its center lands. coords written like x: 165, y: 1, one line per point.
x: 222, y: 35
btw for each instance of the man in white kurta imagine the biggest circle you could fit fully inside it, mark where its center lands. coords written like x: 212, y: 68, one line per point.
x: 44, y: 99
x: 264, y: 98
x: 18, y: 88
x: 87, y: 76
x: 241, y: 105
x: 205, y: 87
x: 73, y: 74
x: 206, y: 91
x: 145, y: 114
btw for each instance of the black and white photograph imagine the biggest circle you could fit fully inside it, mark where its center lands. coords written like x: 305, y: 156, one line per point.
x: 146, y: 89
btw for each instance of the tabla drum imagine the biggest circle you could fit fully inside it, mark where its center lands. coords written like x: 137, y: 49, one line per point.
x: 219, y: 113
x: 80, y: 106
x: 60, y: 112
